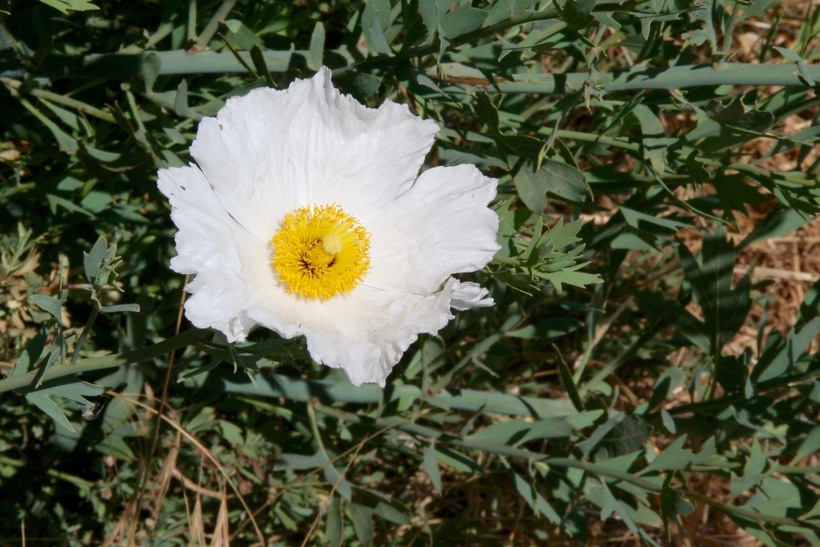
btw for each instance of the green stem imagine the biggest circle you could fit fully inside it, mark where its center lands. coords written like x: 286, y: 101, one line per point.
x: 332, y: 474
x: 14, y: 87
x: 176, y: 62
x: 592, y: 468
x: 125, y: 66
x: 797, y: 469
x: 621, y: 143
x: 764, y: 174
x: 502, y: 450
x: 25, y: 381
x: 294, y: 389
x: 212, y: 26
x: 715, y: 406
x: 748, y: 513
x: 83, y: 335
x: 636, y: 78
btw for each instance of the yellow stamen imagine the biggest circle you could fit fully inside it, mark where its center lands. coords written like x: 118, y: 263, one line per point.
x: 321, y: 251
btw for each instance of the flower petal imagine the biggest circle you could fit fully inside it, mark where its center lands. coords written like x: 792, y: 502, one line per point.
x: 469, y: 295
x: 211, y: 245
x: 271, y: 151
x: 365, y: 333
x: 439, y: 227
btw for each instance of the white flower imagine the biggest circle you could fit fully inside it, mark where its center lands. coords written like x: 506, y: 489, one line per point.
x: 305, y: 214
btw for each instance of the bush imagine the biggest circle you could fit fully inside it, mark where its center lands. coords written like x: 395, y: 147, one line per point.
x: 649, y: 368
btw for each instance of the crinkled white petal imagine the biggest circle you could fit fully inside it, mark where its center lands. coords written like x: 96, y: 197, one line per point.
x: 213, y: 246
x: 469, y: 295
x: 365, y: 332
x: 440, y: 226
x: 270, y: 152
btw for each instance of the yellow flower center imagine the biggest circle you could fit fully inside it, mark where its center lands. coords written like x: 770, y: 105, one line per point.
x: 321, y: 251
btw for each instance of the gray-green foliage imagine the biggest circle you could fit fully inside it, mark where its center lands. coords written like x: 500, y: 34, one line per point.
x: 633, y: 113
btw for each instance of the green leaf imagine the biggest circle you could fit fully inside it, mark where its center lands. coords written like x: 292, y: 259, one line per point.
x: 66, y: 142
x: 735, y: 194
x: 240, y: 36
x: 565, y: 374
x: 181, y: 99
x: 752, y: 471
x: 431, y: 14
x: 532, y: 188
x: 338, y: 481
x: 518, y: 431
x: 334, y: 523
x: 385, y: 508
x: 731, y: 372
x: 66, y: 388
x: 32, y: 353
x: 317, y: 46
x: 73, y: 389
x: 752, y: 8
x: 676, y: 314
x: 547, y: 329
x: 67, y: 117
x: 94, y: 261
x: 462, y: 20
x: 66, y: 6
x: 721, y: 126
x: 809, y: 445
x: 779, y: 498
x: 672, y: 503
x: 675, y: 457
x: 375, y: 19
x: 119, y: 416
x: 260, y: 65
x: 564, y: 181
x: 571, y: 277
x: 653, y: 139
x: 508, y: 9
x: 652, y: 228
x: 576, y: 13
x: 599, y: 493
x: 627, y: 437
x: 360, y: 85
x: 582, y: 420
x: 150, y: 69
x: 788, y: 54
x: 45, y: 403
x: 456, y: 460
x: 776, y: 224
x: 781, y: 357
x: 100, y: 269
x: 360, y: 516
x: 619, y: 435
x: 702, y: 13
x: 486, y: 111
x: 537, y: 502
x: 430, y: 466
x: 724, y: 309
x: 665, y: 385
x: 54, y: 306
x: 121, y: 308
x: 54, y: 201
x: 668, y: 421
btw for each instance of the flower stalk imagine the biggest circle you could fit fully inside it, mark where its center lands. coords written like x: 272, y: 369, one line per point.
x: 119, y: 66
